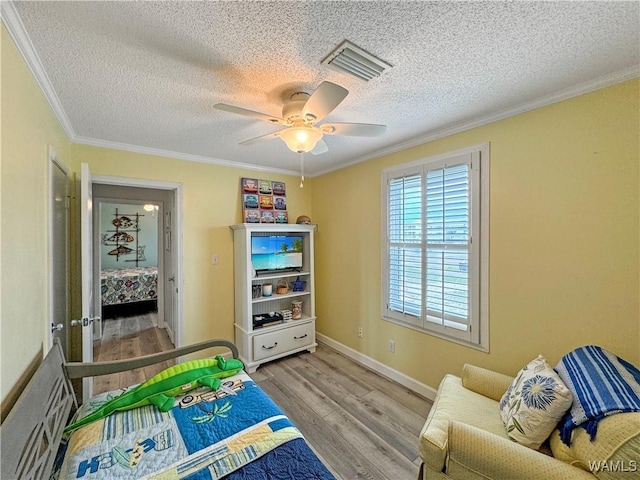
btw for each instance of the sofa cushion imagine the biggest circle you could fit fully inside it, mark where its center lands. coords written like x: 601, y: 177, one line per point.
x: 534, y: 403
x: 617, y: 444
x: 454, y: 402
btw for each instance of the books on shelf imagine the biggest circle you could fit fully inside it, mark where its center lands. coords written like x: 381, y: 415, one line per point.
x: 267, y: 319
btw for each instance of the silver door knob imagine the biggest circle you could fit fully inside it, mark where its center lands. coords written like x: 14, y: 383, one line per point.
x: 57, y: 327
x: 83, y: 322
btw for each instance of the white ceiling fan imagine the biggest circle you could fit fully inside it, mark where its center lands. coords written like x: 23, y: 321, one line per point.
x: 302, y: 113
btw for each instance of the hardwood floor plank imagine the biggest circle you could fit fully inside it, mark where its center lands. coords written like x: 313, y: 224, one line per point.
x: 165, y: 341
x: 405, y: 418
x: 377, y: 420
x: 261, y: 374
x: 105, y: 349
x: 398, y: 392
x: 307, y: 392
x: 130, y: 348
x: 335, y: 376
x: 106, y: 383
x: 125, y: 337
x: 150, y: 342
x: 392, y: 464
x: 109, y: 346
x: 129, y: 327
x: 342, y: 458
x: 362, y: 430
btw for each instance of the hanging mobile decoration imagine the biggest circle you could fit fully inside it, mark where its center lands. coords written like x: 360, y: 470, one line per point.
x: 301, y: 169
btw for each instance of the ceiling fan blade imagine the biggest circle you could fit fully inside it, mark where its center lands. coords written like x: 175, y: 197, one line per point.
x: 353, y: 129
x: 249, y: 113
x: 321, y: 102
x: 320, y: 148
x: 268, y: 136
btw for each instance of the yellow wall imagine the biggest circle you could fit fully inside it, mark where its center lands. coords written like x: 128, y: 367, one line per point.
x: 211, y: 202
x: 28, y: 127
x: 564, y: 240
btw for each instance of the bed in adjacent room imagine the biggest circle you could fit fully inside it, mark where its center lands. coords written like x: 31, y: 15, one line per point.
x: 232, y: 431
x: 128, y: 285
x: 128, y: 291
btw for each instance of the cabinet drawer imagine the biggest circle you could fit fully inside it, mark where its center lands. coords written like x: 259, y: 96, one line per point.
x: 281, y: 341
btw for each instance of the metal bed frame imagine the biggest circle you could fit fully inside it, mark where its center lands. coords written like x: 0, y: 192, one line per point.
x: 31, y: 433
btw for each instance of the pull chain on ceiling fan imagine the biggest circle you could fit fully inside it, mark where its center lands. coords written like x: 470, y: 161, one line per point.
x: 300, y: 117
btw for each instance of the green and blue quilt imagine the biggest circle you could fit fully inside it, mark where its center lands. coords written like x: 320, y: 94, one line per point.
x: 206, y: 435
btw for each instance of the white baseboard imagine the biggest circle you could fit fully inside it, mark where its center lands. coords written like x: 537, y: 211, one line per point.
x: 399, y: 377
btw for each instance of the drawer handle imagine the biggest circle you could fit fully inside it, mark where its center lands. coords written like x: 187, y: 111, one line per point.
x: 275, y: 344
x: 298, y: 338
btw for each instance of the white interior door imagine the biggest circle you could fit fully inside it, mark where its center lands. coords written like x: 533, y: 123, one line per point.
x: 59, y: 252
x: 170, y: 283
x: 88, y: 311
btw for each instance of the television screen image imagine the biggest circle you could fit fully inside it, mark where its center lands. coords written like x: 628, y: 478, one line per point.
x: 276, y: 253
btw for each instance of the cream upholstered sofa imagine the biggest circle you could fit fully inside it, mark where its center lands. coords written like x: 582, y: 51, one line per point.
x: 464, y: 438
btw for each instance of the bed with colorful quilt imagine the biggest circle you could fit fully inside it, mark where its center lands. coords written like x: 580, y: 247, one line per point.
x: 128, y: 285
x: 229, y: 429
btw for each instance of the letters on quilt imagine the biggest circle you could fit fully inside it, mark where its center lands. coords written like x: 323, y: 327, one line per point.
x: 213, y: 433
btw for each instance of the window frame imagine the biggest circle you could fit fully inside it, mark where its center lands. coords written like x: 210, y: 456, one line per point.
x: 477, y: 335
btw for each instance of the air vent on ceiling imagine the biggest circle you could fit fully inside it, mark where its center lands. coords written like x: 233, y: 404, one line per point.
x: 353, y: 60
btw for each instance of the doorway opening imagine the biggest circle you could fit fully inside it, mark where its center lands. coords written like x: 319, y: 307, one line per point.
x: 135, y: 265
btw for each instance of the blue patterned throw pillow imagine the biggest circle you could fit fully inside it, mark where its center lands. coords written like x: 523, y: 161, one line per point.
x: 534, y: 403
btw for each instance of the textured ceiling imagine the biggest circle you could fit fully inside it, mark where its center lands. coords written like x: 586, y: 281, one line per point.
x: 145, y: 75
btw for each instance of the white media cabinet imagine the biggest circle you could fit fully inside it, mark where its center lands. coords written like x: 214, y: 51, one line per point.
x: 258, y: 345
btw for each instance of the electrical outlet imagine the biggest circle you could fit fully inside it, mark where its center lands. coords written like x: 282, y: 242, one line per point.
x: 391, y: 346
x: 360, y: 332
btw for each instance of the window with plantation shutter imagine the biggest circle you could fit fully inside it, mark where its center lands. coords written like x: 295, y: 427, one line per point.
x: 435, y: 273
x: 405, y: 246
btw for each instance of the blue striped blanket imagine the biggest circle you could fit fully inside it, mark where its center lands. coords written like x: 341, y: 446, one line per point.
x: 602, y: 384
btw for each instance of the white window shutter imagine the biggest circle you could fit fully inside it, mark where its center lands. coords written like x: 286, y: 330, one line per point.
x: 436, y: 232
x: 447, y: 231
x: 405, y: 254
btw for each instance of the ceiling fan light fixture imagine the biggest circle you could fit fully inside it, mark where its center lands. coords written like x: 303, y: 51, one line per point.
x: 301, y: 139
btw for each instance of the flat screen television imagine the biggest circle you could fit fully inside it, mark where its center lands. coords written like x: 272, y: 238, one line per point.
x: 276, y: 252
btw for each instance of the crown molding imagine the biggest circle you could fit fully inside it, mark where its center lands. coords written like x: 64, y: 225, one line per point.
x: 15, y: 27
x: 177, y: 155
x: 458, y: 127
x: 18, y: 33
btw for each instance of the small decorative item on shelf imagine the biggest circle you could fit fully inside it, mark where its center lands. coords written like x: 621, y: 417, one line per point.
x: 282, y: 287
x: 298, y: 285
x: 303, y: 220
x: 286, y: 315
x: 267, y: 289
x: 297, y: 309
x: 267, y: 319
x: 256, y: 291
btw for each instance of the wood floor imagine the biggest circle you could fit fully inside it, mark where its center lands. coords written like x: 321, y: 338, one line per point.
x: 362, y: 425
x: 127, y: 337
